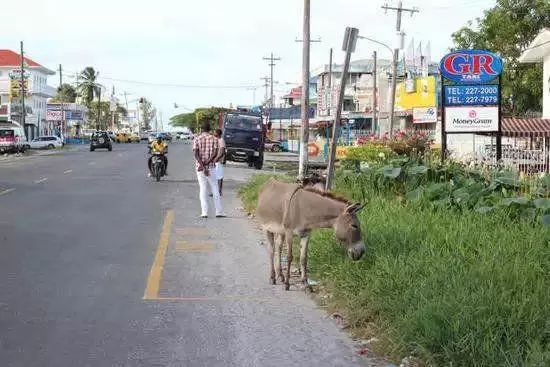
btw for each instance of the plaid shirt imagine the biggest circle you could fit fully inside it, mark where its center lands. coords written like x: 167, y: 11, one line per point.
x: 207, y: 146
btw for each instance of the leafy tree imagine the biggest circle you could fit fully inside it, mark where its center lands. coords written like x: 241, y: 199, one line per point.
x: 184, y: 120
x: 148, y: 113
x: 195, y: 119
x: 65, y: 93
x: 508, y: 29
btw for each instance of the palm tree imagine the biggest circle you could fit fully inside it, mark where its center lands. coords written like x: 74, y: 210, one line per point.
x: 88, y: 88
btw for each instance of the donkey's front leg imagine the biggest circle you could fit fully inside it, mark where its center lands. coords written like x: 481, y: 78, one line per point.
x: 279, y: 243
x: 304, y: 241
x: 288, y: 241
x: 270, y: 253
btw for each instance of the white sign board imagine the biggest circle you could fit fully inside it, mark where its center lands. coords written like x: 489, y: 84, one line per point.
x: 424, y: 115
x: 471, y: 119
x: 53, y: 115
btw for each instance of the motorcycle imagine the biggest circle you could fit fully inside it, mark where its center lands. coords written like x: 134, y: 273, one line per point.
x: 158, y: 168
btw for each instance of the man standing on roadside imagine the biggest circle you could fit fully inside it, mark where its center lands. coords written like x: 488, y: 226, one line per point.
x: 220, y: 158
x: 206, y: 150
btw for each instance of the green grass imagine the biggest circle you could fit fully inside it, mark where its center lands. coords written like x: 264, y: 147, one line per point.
x: 249, y: 191
x: 455, y: 289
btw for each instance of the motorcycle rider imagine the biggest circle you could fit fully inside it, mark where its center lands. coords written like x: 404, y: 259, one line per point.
x: 158, y: 146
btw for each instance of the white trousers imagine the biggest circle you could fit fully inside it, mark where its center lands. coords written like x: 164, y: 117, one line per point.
x: 204, y: 182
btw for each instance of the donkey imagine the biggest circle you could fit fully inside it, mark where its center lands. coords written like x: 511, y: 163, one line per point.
x: 287, y: 209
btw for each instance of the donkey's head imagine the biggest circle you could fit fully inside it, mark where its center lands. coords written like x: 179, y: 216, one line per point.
x: 348, y: 231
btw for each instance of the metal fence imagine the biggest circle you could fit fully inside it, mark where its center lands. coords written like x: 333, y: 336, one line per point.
x: 524, y: 152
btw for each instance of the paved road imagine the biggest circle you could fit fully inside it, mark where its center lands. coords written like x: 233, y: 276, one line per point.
x: 101, y: 266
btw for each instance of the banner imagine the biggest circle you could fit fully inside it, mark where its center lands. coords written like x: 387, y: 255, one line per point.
x: 471, y: 119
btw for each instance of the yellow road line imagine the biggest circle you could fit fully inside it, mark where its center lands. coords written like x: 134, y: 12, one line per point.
x: 155, y: 275
x: 7, y: 191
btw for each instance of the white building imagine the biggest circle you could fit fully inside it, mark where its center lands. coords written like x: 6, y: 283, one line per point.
x: 539, y: 52
x: 38, y: 93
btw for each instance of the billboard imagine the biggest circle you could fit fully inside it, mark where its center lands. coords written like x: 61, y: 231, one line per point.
x: 471, y: 119
x: 471, y: 66
x: 418, y: 92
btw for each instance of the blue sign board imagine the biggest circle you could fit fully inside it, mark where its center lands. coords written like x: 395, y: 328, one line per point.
x: 471, y: 95
x: 471, y: 66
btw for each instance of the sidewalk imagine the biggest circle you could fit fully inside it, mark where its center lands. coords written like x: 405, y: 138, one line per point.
x: 217, y: 269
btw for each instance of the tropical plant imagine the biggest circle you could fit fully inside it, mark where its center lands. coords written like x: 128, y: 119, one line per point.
x: 87, y: 85
x: 88, y: 88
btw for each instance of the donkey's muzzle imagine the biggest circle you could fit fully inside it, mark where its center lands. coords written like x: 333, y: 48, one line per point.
x: 356, y: 251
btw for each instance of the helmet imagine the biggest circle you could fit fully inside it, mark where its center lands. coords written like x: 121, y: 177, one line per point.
x: 159, y: 138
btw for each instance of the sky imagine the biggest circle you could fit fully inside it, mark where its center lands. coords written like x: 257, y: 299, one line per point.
x: 210, y: 52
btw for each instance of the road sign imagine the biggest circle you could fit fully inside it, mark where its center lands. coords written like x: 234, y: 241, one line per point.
x: 471, y: 119
x: 471, y: 95
x: 471, y: 66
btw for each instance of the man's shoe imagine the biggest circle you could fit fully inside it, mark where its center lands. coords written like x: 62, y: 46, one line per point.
x: 204, y: 216
x: 221, y: 216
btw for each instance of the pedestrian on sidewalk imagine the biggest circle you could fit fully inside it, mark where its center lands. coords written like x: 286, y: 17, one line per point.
x: 206, y: 150
x: 220, y: 159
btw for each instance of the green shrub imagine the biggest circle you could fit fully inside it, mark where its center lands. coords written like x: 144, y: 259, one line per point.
x: 459, y: 289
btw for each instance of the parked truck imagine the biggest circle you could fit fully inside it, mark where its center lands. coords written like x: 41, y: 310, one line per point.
x: 244, y: 135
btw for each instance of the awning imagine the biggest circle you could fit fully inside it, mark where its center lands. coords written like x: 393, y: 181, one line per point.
x: 528, y: 126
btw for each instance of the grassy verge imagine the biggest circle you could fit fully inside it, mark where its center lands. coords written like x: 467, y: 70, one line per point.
x: 453, y: 288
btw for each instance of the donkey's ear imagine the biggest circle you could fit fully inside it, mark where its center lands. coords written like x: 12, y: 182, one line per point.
x: 354, y: 208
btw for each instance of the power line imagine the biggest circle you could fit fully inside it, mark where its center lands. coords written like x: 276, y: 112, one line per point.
x: 74, y: 75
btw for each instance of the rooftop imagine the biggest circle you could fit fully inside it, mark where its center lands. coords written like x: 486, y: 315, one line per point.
x: 10, y: 58
x: 366, y: 66
x: 538, y: 48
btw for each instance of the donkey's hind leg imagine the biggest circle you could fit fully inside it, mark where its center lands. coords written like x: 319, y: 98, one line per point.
x: 279, y: 243
x: 270, y: 253
x: 288, y: 241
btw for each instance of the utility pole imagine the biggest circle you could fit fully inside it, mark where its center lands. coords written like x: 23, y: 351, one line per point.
x: 98, y: 108
x: 350, y: 40
x: 271, y: 60
x: 306, y: 45
x: 399, y: 11
x: 266, y: 85
x: 62, y: 102
x: 374, y: 92
x: 23, y: 91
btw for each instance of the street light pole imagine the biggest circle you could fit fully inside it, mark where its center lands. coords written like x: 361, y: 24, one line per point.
x: 350, y: 40
x: 23, y: 111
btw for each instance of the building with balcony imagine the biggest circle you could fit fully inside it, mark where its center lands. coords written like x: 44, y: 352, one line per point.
x: 37, y: 93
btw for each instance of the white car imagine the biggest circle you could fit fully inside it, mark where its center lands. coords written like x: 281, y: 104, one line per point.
x: 46, y: 142
x: 184, y: 135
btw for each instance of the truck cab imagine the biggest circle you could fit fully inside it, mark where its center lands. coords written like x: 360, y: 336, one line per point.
x: 244, y: 136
